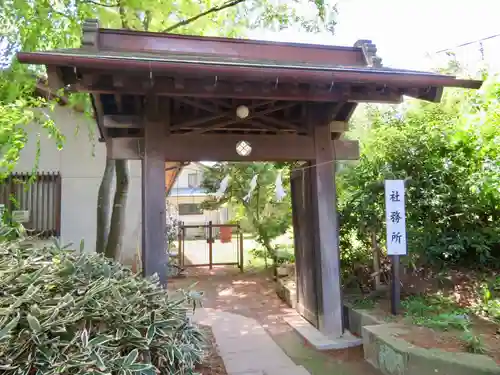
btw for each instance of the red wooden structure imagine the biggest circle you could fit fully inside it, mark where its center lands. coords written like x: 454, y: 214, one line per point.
x: 161, y: 97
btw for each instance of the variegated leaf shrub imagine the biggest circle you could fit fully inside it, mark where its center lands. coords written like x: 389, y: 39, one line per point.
x: 64, y: 312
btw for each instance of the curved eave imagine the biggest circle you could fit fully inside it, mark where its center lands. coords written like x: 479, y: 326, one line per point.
x: 261, y: 71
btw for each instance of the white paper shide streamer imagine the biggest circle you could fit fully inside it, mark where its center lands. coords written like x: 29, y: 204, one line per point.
x: 222, y: 187
x: 253, y: 184
x: 280, y: 192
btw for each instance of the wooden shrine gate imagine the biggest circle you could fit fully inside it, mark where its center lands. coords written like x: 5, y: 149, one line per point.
x: 306, y: 257
x: 160, y: 97
x: 218, y: 238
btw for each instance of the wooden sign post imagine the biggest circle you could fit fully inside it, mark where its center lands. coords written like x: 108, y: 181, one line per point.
x: 396, y: 234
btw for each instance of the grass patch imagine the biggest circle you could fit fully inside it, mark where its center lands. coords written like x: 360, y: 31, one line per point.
x: 473, y: 343
x: 363, y: 303
x: 436, y: 312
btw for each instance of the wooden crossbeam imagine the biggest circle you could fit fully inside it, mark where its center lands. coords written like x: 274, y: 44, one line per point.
x: 283, y: 147
x: 215, y: 117
x: 226, y: 118
x: 236, y: 120
x: 278, y: 125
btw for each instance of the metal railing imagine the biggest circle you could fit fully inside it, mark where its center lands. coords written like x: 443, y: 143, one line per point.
x: 235, y: 235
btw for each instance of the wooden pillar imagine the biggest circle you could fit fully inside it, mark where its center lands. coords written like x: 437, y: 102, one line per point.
x: 154, y: 245
x: 307, y: 266
x: 327, y: 237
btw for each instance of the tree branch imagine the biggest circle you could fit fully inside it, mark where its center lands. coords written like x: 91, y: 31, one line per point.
x: 148, y: 16
x: 101, y: 4
x: 123, y: 15
x: 214, y: 9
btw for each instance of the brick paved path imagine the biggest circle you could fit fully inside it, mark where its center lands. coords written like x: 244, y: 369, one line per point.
x: 253, y: 300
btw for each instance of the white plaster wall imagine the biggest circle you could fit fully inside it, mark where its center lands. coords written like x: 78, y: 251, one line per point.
x: 183, y: 178
x: 81, y: 165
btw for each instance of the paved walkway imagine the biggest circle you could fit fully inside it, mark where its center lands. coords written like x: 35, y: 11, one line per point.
x: 245, y: 346
x: 253, y: 296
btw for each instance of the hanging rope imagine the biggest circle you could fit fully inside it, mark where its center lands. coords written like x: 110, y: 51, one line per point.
x: 279, y: 189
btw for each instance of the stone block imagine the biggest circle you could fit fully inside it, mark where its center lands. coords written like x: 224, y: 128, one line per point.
x: 287, y: 295
x: 358, y: 318
x: 317, y: 339
x: 395, y: 356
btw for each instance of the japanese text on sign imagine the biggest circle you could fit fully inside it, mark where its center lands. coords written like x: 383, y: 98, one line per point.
x: 395, y: 217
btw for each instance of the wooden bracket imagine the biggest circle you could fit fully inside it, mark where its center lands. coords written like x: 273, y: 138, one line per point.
x: 339, y: 126
x: 90, y: 34
x: 55, y: 80
x: 370, y: 52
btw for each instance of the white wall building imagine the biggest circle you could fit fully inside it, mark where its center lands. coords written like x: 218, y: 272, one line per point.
x: 63, y: 201
x: 186, y: 197
x: 72, y: 211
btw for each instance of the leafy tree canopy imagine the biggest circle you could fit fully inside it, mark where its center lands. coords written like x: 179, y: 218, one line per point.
x: 30, y: 25
x: 261, y: 214
x: 449, y: 155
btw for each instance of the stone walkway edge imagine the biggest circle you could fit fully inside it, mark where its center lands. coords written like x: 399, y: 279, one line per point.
x: 245, y: 346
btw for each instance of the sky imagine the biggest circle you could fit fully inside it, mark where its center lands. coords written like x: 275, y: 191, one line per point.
x: 405, y: 31
x: 408, y: 33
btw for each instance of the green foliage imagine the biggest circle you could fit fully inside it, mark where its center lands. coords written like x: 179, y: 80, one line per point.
x: 75, y: 313
x: 473, y: 343
x: 444, y: 322
x: 261, y: 214
x: 284, y: 255
x: 448, y: 154
x: 16, y: 115
x: 489, y: 305
x: 363, y: 303
x: 436, y: 312
x: 42, y: 25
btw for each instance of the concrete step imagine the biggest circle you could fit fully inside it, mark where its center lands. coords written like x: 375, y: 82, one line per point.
x: 317, y: 339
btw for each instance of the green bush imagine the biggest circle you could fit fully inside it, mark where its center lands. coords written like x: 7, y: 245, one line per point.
x: 473, y: 343
x: 489, y: 305
x: 448, y: 154
x: 67, y: 313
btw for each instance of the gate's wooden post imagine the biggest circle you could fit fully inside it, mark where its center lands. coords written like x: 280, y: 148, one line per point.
x: 330, y: 295
x: 154, y: 244
x: 210, y: 245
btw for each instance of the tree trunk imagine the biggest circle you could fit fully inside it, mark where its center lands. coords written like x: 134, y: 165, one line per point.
x: 274, y: 257
x: 269, y: 251
x: 104, y: 207
x: 117, y: 226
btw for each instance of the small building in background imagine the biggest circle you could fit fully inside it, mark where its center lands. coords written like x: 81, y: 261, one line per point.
x: 186, y: 198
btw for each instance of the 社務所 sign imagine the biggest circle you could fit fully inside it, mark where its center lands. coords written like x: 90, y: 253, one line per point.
x: 395, y: 217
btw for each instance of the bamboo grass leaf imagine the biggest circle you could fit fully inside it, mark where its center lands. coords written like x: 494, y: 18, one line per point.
x: 34, y: 323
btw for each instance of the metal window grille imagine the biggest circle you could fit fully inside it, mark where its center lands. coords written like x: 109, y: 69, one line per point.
x: 39, y: 196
